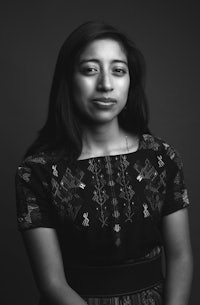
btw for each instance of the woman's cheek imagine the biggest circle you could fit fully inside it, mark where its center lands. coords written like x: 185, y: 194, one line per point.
x: 86, y: 86
x: 123, y: 88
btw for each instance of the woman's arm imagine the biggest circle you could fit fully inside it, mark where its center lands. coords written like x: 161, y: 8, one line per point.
x: 47, y: 265
x: 179, y: 262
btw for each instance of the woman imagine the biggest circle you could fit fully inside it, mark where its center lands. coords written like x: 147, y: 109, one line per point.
x: 98, y: 196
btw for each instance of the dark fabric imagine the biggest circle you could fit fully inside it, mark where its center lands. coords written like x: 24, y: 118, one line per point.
x: 106, y: 210
x: 115, y: 280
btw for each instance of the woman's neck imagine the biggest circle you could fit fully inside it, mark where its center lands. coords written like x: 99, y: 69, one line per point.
x: 104, y: 140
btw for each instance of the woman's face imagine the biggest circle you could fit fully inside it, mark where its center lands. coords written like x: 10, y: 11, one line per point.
x: 101, y: 81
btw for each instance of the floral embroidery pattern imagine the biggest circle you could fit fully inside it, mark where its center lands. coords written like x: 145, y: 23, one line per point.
x: 112, y: 184
x: 126, y: 190
x: 114, y: 200
x: 104, y: 206
x: 99, y: 194
x: 155, y: 183
x: 65, y: 194
x: 145, y: 172
x: 155, y: 191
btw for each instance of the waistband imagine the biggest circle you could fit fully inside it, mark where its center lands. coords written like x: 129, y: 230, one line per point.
x: 115, y: 280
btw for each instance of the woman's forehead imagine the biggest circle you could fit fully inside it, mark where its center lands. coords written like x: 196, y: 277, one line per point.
x: 104, y: 48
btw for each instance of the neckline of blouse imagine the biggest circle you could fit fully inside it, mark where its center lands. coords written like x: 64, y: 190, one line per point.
x: 140, y: 138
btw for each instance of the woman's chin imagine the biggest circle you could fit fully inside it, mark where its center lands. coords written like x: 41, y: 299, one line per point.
x: 99, y: 118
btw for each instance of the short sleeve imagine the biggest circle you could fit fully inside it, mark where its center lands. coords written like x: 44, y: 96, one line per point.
x: 32, y: 196
x: 176, y: 191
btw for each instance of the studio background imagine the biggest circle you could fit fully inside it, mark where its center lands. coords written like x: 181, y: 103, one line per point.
x: 167, y: 32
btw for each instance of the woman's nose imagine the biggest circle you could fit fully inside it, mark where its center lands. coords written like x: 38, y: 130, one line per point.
x: 105, y: 82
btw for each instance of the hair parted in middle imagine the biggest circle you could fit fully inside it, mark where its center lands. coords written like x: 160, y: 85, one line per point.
x: 62, y: 131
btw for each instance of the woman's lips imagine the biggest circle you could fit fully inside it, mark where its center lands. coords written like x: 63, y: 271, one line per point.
x: 105, y: 102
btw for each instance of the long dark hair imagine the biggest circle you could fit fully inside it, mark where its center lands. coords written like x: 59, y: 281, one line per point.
x: 62, y: 132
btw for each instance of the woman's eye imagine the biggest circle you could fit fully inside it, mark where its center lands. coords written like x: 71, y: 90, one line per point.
x: 120, y: 71
x: 89, y: 70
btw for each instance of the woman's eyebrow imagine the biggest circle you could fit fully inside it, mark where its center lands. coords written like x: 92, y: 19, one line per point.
x: 83, y: 61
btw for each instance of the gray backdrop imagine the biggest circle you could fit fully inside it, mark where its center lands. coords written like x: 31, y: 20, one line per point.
x: 32, y: 32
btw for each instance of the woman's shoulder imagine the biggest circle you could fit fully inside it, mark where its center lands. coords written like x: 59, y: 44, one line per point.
x: 155, y: 143
x: 39, y: 159
x: 38, y: 167
x: 162, y: 147
x: 40, y: 163
x: 44, y: 164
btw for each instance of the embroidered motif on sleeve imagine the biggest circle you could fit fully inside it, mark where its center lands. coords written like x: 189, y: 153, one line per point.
x: 177, y: 179
x: 31, y: 212
x: 24, y: 173
x: 180, y: 193
x: 35, y: 159
x: 173, y: 155
x: 185, y: 198
x: 177, y: 195
x: 149, y: 142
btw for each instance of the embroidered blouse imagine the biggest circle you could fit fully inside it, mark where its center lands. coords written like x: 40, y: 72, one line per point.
x: 105, y: 209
